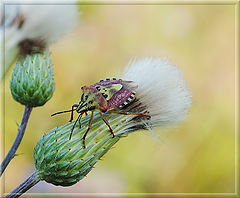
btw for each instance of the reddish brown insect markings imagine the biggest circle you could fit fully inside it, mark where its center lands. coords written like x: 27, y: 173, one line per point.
x: 119, y: 98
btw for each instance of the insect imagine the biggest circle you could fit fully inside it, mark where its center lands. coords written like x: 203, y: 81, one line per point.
x: 109, y: 95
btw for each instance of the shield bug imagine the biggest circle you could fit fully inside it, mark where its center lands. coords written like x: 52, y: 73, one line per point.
x: 109, y: 95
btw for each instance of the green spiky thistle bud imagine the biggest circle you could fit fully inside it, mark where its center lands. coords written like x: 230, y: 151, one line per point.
x: 32, y: 82
x: 63, y: 161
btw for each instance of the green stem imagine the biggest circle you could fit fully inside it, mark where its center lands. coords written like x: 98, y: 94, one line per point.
x: 25, y: 186
x: 21, y: 131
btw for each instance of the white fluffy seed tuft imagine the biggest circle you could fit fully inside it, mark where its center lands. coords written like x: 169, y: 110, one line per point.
x: 27, y: 27
x: 44, y: 22
x: 161, y: 88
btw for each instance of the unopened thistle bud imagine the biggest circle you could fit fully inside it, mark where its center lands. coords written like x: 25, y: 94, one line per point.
x: 32, y: 82
x: 161, y: 93
x: 63, y: 161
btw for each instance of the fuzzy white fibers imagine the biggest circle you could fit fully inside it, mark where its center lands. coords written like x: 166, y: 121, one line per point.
x: 44, y: 22
x: 161, y: 88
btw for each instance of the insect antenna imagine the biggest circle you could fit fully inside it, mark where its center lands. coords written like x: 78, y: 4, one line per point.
x: 61, y: 112
x: 78, y: 118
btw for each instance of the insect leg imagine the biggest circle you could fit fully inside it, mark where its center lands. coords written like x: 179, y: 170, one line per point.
x: 71, y: 118
x: 107, y: 123
x: 89, y: 127
x: 79, y: 117
x: 130, y: 113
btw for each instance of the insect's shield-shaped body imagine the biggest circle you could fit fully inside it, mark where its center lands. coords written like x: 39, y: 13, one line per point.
x: 106, y: 95
x: 109, y: 95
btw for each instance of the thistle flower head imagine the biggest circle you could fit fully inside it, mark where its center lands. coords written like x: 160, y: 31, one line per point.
x: 31, y: 28
x: 161, y: 95
x: 161, y: 90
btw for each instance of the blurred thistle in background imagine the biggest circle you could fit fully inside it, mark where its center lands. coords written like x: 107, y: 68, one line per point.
x: 31, y: 28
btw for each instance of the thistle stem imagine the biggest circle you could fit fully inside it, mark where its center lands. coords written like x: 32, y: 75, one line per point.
x: 26, y: 185
x: 18, y: 139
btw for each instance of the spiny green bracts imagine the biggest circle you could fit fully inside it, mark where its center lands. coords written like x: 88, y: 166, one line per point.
x: 63, y: 161
x: 32, y: 82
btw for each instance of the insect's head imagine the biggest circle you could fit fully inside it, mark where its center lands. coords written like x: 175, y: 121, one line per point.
x: 89, y: 100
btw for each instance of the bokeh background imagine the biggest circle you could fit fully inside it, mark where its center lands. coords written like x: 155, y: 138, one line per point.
x: 196, y: 157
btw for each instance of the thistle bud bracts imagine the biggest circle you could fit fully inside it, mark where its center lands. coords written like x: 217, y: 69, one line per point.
x: 32, y: 82
x: 63, y: 161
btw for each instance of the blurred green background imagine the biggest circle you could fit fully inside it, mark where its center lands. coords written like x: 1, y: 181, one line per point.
x: 196, y: 157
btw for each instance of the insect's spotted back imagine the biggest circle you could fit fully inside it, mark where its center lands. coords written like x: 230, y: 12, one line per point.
x: 107, y: 94
x: 108, y: 91
x: 117, y: 92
